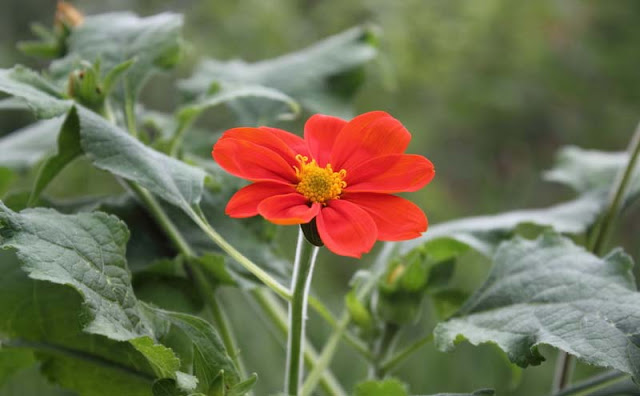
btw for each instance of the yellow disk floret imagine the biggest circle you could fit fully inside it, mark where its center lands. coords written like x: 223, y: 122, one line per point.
x: 319, y: 184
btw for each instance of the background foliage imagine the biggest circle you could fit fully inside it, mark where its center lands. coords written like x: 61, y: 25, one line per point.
x: 490, y: 90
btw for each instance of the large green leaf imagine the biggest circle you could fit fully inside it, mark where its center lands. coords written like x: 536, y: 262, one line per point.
x: 484, y: 233
x: 309, y: 76
x: 589, y: 171
x: 85, y: 251
x: 550, y: 291
x: 26, y: 146
x: 112, y: 38
x: 41, y: 96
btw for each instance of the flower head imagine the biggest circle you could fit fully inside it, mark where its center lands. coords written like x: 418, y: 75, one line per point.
x: 342, y: 174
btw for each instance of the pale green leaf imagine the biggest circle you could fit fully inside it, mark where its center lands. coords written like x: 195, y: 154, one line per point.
x: 550, y: 291
x: 113, y: 38
x: 26, y: 146
x: 40, y: 95
x: 592, y: 171
x: 387, y: 387
x: 305, y: 75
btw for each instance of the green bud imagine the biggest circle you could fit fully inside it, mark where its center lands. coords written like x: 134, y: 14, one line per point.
x: 359, y: 312
x: 85, y: 87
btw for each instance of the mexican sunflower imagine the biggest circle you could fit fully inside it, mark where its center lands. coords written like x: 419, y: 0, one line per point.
x: 342, y: 174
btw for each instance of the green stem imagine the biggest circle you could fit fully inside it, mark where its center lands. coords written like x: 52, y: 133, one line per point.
x: 382, y: 348
x: 330, y: 347
x: 77, y: 354
x: 278, y: 316
x: 178, y: 136
x: 393, y: 361
x: 588, y: 386
x: 219, y: 318
x: 130, y: 111
x: 241, y: 259
x: 617, y: 194
x: 306, y: 255
x: 565, y: 363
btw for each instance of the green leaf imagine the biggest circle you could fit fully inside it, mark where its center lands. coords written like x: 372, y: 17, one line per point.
x: 26, y: 146
x: 241, y: 388
x: 592, y: 171
x: 270, y: 103
x: 13, y: 360
x: 550, y: 291
x: 85, y: 251
x: 6, y: 178
x: 484, y: 233
x: 210, y: 356
x: 40, y: 95
x: 114, y: 38
x: 305, y: 75
x: 163, y: 361
x: 388, y: 387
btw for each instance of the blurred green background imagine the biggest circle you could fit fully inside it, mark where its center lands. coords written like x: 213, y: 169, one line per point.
x: 489, y: 89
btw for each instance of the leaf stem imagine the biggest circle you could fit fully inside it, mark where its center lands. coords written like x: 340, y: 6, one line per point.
x: 394, y: 360
x: 592, y: 384
x: 130, y: 112
x: 306, y: 255
x: 249, y: 265
x: 565, y: 363
x: 382, y: 347
x: 278, y: 316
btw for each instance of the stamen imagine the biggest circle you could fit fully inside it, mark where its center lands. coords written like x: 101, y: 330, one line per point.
x: 319, y: 184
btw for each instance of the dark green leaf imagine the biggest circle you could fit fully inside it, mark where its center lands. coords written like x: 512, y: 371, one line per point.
x: 550, y: 291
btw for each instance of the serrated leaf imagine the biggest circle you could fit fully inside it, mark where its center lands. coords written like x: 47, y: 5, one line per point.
x: 388, y: 387
x: 592, y: 171
x: 85, y: 251
x: 550, y: 291
x: 305, y: 75
x: 163, y: 361
x: 114, y: 38
x: 40, y: 95
x: 210, y: 355
x: 26, y: 146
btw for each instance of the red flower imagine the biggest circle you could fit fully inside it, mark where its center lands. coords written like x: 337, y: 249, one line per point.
x: 342, y: 174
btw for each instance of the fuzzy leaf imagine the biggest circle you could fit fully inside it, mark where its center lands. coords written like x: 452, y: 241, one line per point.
x: 550, y: 291
x: 305, y: 75
x: 40, y: 95
x: 113, y: 38
x: 589, y: 171
x: 26, y: 146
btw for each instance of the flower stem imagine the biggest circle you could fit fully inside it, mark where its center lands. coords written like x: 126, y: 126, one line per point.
x: 278, y: 316
x: 565, y: 363
x: 306, y: 255
x: 393, y: 361
x: 382, y: 348
x: 130, y: 112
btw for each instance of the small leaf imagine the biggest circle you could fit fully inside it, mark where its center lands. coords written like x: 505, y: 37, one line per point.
x: 388, y: 387
x: 550, y: 291
x: 241, y: 388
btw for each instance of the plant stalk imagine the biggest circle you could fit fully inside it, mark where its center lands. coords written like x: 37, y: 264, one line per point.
x: 306, y: 255
x: 393, y: 361
x: 588, y: 386
x: 566, y: 362
x: 382, y: 347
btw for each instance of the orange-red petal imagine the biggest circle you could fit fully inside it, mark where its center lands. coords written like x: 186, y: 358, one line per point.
x: 320, y: 132
x: 390, y: 173
x: 346, y: 229
x: 397, y: 219
x: 288, y: 209
x: 253, y: 162
x: 366, y: 136
x: 295, y: 142
x: 244, y: 203
x: 265, y: 138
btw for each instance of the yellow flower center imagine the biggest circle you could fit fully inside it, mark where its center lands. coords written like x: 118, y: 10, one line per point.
x: 319, y: 184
